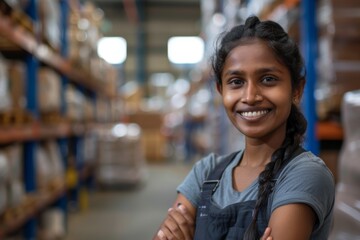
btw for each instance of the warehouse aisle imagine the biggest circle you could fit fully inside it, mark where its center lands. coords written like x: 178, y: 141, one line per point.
x: 129, y: 214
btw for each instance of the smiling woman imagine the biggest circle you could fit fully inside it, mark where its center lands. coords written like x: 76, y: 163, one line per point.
x: 273, y: 187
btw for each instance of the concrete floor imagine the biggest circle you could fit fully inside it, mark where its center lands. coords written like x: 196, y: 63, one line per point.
x: 128, y: 214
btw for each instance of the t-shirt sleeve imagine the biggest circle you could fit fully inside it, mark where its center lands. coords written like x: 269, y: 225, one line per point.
x: 191, y: 186
x: 307, y: 181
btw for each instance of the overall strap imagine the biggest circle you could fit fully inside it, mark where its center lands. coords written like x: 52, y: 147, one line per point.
x: 213, y: 180
x: 208, y: 188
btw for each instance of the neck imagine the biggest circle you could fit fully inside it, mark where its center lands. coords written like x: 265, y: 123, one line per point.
x: 258, y: 152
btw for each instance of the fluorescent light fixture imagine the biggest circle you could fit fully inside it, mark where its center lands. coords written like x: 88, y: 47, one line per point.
x: 112, y: 49
x: 185, y: 50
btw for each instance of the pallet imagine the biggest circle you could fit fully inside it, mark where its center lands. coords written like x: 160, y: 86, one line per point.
x: 51, y: 117
x: 12, y: 118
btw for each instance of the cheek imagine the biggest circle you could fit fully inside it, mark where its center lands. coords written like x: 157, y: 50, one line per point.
x: 228, y: 100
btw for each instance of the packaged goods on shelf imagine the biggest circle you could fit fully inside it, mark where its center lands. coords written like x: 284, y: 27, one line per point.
x: 49, y: 167
x: 15, y: 156
x: 103, y: 113
x: 117, y: 109
x: 152, y: 137
x: 90, y: 144
x: 3, y: 197
x: 5, y: 103
x: 52, y: 224
x: 89, y: 110
x: 49, y: 98
x: 75, y: 103
x: 4, y: 167
x: 4, y: 177
x: 338, y: 66
x: 347, y: 190
x: 49, y: 15
x: 17, y: 84
x: 120, y: 158
x: 53, y: 150
x: 84, y: 33
x: 16, y: 193
x: 132, y: 94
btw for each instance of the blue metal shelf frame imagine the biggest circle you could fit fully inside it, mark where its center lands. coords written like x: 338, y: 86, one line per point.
x: 140, y: 44
x: 64, y: 12
x: 62, y: 202
x: 32, y: 65
x: 309, y: 47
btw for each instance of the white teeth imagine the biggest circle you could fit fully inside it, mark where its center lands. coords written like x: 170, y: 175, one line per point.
x: 254, y: 114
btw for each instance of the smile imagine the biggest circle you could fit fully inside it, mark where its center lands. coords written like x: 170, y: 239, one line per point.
x: 254, y: 114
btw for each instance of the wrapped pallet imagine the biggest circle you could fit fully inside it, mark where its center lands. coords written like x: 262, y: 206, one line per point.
x: 16, y: 187
x: 5, y: 103
x: 347, y: 208
x: 49, y: 90
x: 120, y: 157
x: 4, y: 175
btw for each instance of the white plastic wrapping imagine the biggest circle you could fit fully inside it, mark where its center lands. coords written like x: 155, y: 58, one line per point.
x: 49, y: 90
x: 347, y: 206
x: 5, y: 98
x: 120, y: 158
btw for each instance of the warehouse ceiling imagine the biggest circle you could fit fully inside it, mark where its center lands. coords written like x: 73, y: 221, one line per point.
x: 161, y: 19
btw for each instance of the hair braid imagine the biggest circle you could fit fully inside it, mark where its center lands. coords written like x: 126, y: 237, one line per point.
x: 296, y: 126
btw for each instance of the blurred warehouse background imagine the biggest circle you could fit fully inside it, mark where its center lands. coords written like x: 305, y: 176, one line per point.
x: 106, y: 104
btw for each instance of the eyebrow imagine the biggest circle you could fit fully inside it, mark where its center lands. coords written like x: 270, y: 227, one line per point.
x: 258, y: 71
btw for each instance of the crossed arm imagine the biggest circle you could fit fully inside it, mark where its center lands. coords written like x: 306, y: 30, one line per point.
x: 292, y: 221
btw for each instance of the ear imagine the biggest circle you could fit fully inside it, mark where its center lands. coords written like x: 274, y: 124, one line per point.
x: 219, y: 88
x: 298, y: 92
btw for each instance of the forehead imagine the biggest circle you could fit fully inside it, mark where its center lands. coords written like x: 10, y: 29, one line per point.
x: 253, y: 51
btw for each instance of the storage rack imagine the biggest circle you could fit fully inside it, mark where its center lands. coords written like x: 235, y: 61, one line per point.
x: 33, y: 53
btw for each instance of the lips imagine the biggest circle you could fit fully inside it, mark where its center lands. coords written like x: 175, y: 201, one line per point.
x: 254, y: 114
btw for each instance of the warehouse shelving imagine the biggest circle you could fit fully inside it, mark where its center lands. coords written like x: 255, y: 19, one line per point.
x: 26, y: 41
x: 17, y: 29
x: 22, y: 214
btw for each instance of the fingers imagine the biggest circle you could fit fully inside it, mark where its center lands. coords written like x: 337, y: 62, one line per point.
x: 161, y: 235
x: 266, y: 235
x: 178, y: 225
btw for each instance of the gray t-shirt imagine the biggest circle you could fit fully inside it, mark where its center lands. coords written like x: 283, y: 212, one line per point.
x: 305, y: 179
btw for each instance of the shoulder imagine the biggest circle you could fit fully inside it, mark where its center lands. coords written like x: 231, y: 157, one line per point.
x: 306, y: 179
x: 307, y: 164
x: 306, y: 170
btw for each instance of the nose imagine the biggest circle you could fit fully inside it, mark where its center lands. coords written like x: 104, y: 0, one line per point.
x: 251, y: 94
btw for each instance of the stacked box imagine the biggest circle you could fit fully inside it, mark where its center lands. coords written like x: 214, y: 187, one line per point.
x: 338, y: 65
x: 49, y: 85
x: 153, y: 139
x: 16, y: 70
x: 5, y: 103
x: 49, y: 15
x: 120, y: 157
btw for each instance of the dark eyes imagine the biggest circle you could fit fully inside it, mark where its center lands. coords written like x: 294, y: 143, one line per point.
x: 266, y: 80
x: 236, y: 82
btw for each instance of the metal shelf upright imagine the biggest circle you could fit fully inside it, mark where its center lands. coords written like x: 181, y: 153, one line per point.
x: 30, y: 146
x: 309, y: 47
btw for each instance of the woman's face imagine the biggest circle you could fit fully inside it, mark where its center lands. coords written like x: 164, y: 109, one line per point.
x: 256, y: 91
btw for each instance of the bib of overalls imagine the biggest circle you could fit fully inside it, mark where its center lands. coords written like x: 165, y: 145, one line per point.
x: 231, y: 222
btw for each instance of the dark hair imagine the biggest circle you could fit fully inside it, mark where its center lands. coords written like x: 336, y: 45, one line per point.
x: 287, y: 52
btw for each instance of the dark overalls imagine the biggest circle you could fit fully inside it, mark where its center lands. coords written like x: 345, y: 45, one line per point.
x: 231, y: 222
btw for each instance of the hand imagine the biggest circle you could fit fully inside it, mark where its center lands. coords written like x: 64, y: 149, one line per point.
x: 179, y: 225
x: 266, y: 235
